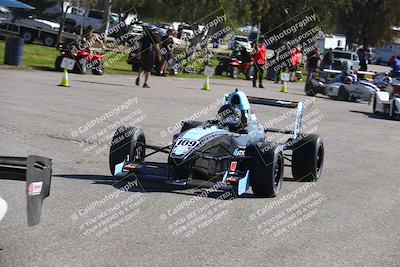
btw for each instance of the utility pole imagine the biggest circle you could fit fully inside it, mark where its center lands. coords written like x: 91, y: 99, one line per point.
x: 106, y: 16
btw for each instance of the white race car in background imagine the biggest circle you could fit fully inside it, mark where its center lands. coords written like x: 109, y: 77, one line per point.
x: 3, y: 208
x: 387, y: 101
x: 386, y: 104
x: 347, y: 88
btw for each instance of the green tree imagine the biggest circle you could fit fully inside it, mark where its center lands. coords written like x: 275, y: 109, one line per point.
x: 367, y: 22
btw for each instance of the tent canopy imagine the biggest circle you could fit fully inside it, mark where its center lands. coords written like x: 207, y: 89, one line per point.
x: 14, y: 4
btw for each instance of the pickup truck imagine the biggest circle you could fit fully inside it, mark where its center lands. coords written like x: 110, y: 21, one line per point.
x: 32, y: 29
x: 80, y: 19
x: 339, y: 56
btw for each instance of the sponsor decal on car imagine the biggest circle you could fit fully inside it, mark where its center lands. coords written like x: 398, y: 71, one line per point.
x: 35, y: 188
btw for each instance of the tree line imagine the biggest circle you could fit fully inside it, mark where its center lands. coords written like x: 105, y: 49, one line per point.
x: 365, y: 22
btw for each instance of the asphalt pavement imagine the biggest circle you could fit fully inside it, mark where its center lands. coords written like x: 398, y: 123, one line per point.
x: 350, y: 217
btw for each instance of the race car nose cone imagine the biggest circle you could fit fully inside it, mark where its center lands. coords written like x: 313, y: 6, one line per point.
x: 3, y: 208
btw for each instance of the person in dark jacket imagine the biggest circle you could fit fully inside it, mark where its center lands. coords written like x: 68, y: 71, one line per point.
x: 327, y: 61
x: 363, y: 59
x: 313, y: 59
x: 147, y: 55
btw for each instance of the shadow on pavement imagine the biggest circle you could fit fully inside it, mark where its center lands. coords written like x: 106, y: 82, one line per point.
x: 372, y: 115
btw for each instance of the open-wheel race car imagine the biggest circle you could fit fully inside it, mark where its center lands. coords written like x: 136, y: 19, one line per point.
x: 232, y: 149
x: 387, y: 101
x: 345, y: 87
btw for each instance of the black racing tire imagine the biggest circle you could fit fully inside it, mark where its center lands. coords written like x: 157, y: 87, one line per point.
x: 57, y: 64
x: 374, y: 105
x: 234, y: 72
x: 308, y: 158
x: 219, y: 70
x: 309, y: 89
x: 266, y: 171
x: 344, y: 93
x: 186, y: 125
x: 128, y: 143
x: 249, y: 72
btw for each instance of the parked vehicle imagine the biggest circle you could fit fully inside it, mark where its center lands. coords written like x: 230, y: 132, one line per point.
x: 239, y: 62
x: 32, y: 29
x: 84, y: 59
x: 80, y: 19
x: 339, y: 56
x: 238, y: 40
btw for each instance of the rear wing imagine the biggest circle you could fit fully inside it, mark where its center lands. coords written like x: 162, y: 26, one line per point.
x: 36, y: 171
x: 299, y: 106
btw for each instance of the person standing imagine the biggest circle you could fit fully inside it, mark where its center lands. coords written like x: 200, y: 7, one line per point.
x: 147, y: 56
x: 313, y: 59
x: 167, y: 44
x: 296, y: 61
x: 363, y: 59
x: 90, y: 39
x: 259, y: 60
x: 396, y: 67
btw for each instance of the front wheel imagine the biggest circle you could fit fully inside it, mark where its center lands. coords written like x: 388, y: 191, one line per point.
x: 128, y: 144
x: 374, y: 105
x: 311, y: 87
x: 266, y: 172
x: 308, y: 158
x: 98, y: 70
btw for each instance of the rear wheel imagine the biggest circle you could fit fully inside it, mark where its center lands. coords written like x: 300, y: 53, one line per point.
x: 344, y: 93
x: 266, y: 171
x: 58, y: 63
x: 308, y: 158
x: 234, y: 72
x: 49, y: 40
x: 27, y: 36
x: 128, y: 144
x: 219, y: 70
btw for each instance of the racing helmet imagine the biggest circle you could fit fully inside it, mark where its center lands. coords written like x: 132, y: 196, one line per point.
x: 348, y: 79
x: 230, y: 116
x: 387, y: 79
